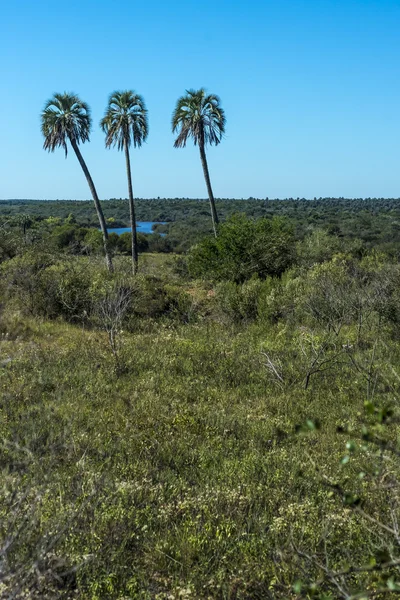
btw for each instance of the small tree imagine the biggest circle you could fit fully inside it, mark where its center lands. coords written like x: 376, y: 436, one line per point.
x: 244, y: 248
x: 110, y: 311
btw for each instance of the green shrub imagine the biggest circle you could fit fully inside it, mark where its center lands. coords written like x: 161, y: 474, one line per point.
x: 180, y: 267
x: 68, y: 286
x: 11, y: 243
x: 22, y: 280
x: 159, y: 243
x: 239, y: 301
x: 318, y: 247
x: 244, y: 248
x: 124, y: 244
x: 94, y: 242
x: 227, y: 296
x: 178, y: 303
x: 153, y: 298
x: 113, y: 241
x: 274, y: 301
x: 267, y: 301
x: 45, y: 286
x: 329, y: 294
x: 68, y: 236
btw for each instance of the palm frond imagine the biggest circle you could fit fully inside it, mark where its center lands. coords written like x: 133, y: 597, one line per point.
x: 199, y: 116
x: 125, y: 120
x: 65, y: 117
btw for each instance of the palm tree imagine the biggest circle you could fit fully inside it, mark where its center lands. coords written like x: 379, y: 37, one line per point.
x: 201, y: 117
x: 66, y: 118
x: 125, y: 122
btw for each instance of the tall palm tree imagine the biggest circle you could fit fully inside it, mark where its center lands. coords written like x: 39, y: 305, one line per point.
x: 200, y: 116
x: 66, y: 118
x: 125, y: 122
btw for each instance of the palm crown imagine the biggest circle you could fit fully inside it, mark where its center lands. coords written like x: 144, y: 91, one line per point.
x: 199, y: 116
x: 65, y: 117
x: 125, y: 120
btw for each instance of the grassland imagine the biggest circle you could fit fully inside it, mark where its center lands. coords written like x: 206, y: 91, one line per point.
x: 188, y: 472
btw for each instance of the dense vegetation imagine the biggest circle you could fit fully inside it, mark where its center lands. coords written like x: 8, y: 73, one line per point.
x: 376, y: 222
x: 200, y: 430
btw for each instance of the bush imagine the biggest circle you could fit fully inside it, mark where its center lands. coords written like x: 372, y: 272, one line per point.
x: 124, y: 243
x: 180, y: 267
x: 243, y: 249
x: 343, y: 291
x: 239, y: 301
x: 279, y: 298
x: 153, y: 298
x: 68, y: 236
x: 113, y: 239
x: 159, y: 243
x: 22, y: 279
x: 47, y: 287
x: 94, y: 242
x: 320, y: 246
x: 68, y: 286
x: 329, y: 294
x: 267, y: 301
x: 11, y: 242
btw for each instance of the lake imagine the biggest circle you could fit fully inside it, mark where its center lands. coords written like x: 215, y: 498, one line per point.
x: 141, y: 227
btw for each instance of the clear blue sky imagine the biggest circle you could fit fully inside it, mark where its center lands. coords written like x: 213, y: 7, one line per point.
x: 311, y: 90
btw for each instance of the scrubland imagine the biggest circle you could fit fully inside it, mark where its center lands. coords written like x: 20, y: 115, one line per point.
x: 184, y: 434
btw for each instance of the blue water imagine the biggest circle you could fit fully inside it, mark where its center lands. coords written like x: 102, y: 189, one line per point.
x: 141, y: 227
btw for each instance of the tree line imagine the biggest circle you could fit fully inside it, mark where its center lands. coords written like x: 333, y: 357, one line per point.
x: 197, y: 115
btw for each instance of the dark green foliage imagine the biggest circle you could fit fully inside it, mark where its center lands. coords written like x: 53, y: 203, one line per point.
x: 10, y: 242
x: 113, y: 241
x: 69, y: 236
x: 158, y: 243
x: 245, y: 248
x: 188, y: 220
x: 124, y: 244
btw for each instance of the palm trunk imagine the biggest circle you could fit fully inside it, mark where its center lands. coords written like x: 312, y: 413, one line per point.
x: 132, y: 212
x: 214, y: 214
x: 97, y: 204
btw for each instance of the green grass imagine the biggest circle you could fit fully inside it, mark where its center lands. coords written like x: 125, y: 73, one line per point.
x: 183, y: 477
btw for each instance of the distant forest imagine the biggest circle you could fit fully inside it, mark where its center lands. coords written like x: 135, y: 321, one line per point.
x: 373, y: 221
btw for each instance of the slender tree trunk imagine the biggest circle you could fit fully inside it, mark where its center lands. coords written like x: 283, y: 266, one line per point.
x: 214, y: 214
x: 96, y: 203
x: 131, y: 211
